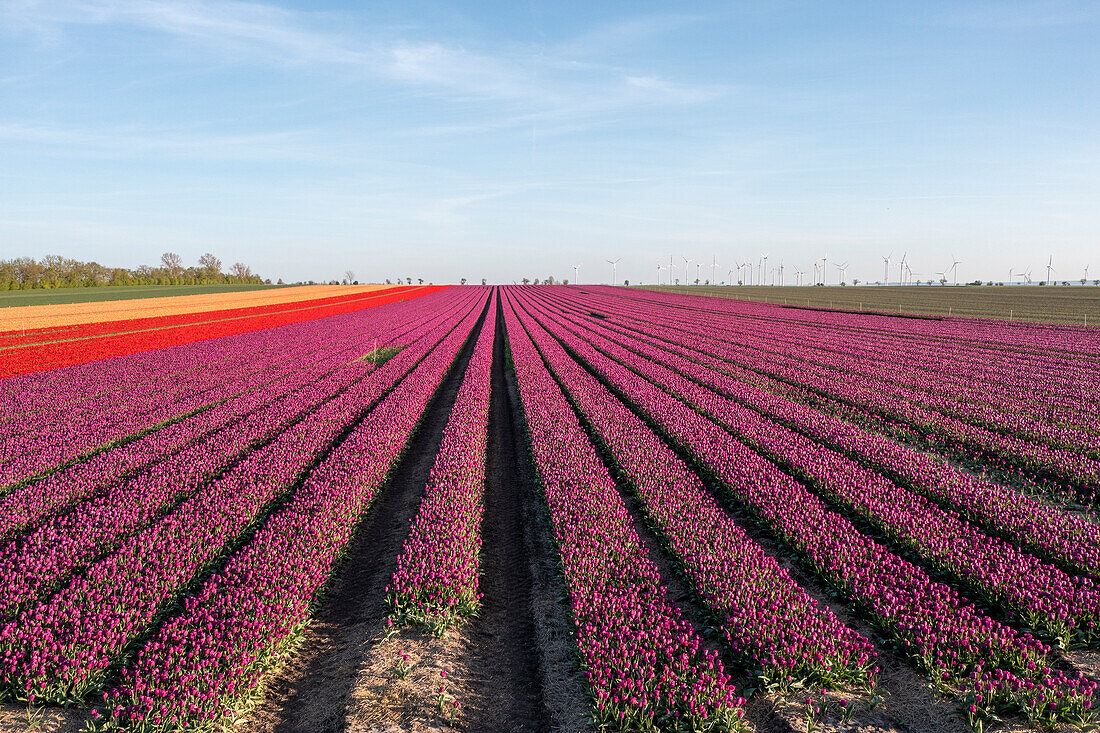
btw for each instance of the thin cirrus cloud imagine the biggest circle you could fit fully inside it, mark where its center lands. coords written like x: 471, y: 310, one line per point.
x: 254, y: 33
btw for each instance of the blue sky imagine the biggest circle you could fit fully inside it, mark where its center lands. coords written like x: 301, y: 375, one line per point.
x: 503, y: 140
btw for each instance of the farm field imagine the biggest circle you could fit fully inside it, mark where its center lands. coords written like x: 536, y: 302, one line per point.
x: 1070, y: 305
x: 153, y: 301
x: 540, y: 508
x: 60, y: 296
x: 160, y: 325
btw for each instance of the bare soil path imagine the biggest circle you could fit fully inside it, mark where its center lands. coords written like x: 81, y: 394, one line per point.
x: 511, y: 668
x: 502, y: 646
x: 314, y: 690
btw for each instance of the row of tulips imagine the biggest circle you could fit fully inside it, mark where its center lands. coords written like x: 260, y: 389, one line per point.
x: 62, y: 648
x: 202, y: 666
x: 134, y: 403
x: 954, y: 642
x: 1013, y: 358
x: 132, y: 392
x: 47, y: 334
x: 645, y: 664
x: 1073, y: 469
x: 437, y: 571
x: 1042, y: 596
x: 1063, y: 538
x: 770, y: 623
x: 29, y: 504
x: 60, y: 547
x: 1009, y: 399
x: 65, y: 353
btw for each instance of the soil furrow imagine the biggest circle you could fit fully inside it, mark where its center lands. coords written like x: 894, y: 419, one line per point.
x: 314, y: 691
x: 501, y: 653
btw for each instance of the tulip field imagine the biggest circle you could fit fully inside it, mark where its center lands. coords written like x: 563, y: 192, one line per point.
x: 723, y: 510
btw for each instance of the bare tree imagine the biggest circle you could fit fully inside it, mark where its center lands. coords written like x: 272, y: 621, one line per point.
x: 420, y: 280
x: 211, y: 264
x: 462, y: 281
x: 349, y: 276
x: 482, y: 281
x: 173, y: 263
x: 241, y: 271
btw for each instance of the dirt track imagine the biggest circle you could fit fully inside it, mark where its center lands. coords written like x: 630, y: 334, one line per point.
x: 508, y: 669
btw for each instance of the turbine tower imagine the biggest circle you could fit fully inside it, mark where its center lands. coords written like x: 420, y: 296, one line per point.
x: 687, y: 272
x: 843, y: 268
x: 825, y: 269
x: 901, y: 269
x: 713, y: 264
x: 886, y: 269
x: 576, y: 274
x: 955, y: 268
x: 614, y: 271
x: 1050, y: 269
x: 659, y: 268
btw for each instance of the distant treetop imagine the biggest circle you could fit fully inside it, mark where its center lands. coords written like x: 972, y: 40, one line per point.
x: 54, y: 271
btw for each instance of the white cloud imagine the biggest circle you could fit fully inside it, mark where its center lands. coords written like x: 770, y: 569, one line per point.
x: 257, y: 33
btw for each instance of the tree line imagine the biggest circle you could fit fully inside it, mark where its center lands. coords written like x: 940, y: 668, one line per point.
x: 54, y: 271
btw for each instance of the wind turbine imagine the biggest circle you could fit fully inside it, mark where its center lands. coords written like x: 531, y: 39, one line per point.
x: 798, y: 276
x: 825, y: 269
x: 697, y: 263
x: 901, y: 269
x: 943, y: 276
x: 614, y: 269
x: 955, y: 268
x: 1049, y: 268
x: 886, y: 269
x: 576, y: 274
x: 1027, y: 276
x: 764, y: 267
x: 659, y: 268
x: 780, y: 273
x: 713, y: 264
x: 843, y: 268
x: 729, y: 275
x: 908, y: 273
x: 687, y: 273
x: 816, y: 266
